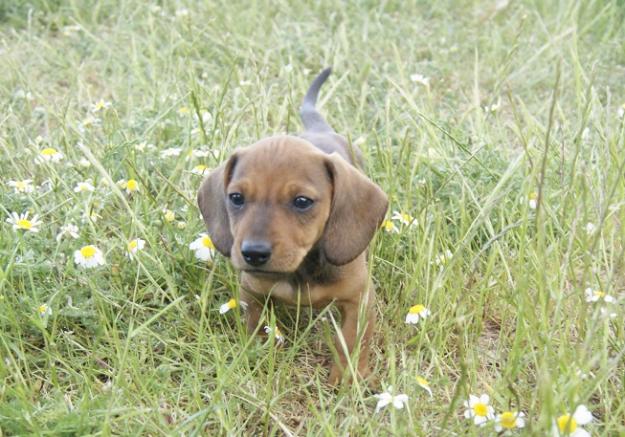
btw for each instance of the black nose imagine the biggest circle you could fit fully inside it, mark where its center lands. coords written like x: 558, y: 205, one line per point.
x: 256, y: 253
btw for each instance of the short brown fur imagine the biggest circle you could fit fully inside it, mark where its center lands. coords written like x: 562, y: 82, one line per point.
x: 318, y: 256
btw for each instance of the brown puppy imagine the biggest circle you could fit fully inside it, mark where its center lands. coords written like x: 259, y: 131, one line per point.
x: 296, y: 216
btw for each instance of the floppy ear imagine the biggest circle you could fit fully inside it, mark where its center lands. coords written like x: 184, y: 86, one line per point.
x: 358, y: 208
x: 212, y: 202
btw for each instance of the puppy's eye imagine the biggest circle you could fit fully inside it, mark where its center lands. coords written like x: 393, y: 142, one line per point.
x: 236, y: 199
x: 302, y: 203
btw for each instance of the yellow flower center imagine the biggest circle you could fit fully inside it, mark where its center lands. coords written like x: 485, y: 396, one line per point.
x: 422, y: 382
x: 24, y: 224
x: 480, y: 409
x: 533, y: 196
x: 183, y: 110
x: 88, y: 252
x: 416, y: 309
x: 406, y: 217
x: 132, y: 245
x: 170, y: 216
x: 232, y: 303
x: 131, y: 185
x: 508, y: 419
x: 42, y: 309
x: 388, y: 225
x: 599, y: 294
x: 207, y: 242
x: 20, y: 185
x: 200, y: 168
x: 49, y: 151
x: 566, y: 424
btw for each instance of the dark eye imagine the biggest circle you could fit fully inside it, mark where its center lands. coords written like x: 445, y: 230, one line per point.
x: 236, y: 199
x: 302, y: 203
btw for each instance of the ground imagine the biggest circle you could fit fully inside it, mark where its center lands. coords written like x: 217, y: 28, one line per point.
x: 496, y: 126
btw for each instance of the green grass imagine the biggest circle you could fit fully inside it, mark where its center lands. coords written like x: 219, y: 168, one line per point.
x: 139, y: 347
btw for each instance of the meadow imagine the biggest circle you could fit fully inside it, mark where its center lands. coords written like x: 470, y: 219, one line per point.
x: 496, y: 128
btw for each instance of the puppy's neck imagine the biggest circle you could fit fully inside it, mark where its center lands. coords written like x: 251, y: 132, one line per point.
x: 315, y: 268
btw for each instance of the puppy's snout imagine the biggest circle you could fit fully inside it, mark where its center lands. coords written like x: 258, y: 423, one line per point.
x: 256, y: 253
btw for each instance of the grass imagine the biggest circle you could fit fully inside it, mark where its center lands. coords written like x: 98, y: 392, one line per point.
x: 521, y: 99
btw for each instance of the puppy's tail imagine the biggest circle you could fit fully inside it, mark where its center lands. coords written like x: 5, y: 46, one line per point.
x: 313, y: 121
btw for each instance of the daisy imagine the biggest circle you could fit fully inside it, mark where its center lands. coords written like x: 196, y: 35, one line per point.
x: 100, y: 105
x: 390, y: 227
x: 181, y: 225
x: 420, y: 79
x: 509, y: 420
x: 203, y: 247
x: 170, y: 216
x: 416, y: 313
x: 200, y: 170
x: 134, y: 246
x: 230, y: 305
x: 130, y: 185
x: 442, y: 258
x: 23, y: 223
x: 48, y: 155
x: 386, y: 398
x: 172, y: 151
x: 532, y: 200
x: 276, y: 333
x: 424, y: 384
x: 69, y: 229
x: 84, y: 187
x: 570, y: 425
x: 84, y: 163
x: 590, y: 228
x: 404, y: 219
x: 597, y: 295
x: 88, y: 257
x: 477, y: 408
x: 44, y: 310
x: 24, y: 186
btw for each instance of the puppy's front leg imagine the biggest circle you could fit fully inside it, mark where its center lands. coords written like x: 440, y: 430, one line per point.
x: 253, y: 310
x: 349, y: 329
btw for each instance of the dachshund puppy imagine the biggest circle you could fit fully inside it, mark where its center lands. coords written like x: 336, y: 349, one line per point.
x: 295, y: 216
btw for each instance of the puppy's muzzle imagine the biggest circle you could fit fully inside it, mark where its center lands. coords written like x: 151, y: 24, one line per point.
x: 256, y: 253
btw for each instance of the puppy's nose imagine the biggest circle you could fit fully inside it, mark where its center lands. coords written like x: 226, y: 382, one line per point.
x: 256, y: 253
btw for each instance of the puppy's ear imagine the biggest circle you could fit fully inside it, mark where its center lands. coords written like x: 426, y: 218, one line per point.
x: 358, y: 208
x: 212, y: 202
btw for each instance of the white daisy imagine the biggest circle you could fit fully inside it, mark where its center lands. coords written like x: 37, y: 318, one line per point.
x: 172, y: 151
x: 231, y: 304
x: 84, y: 163
x: 21, y: 222
x: 276, y: 333
x: 69, y: 229
x: 532, y: 200
x: 200, y: 170
x: 590, y: 228
x: 416, y: 313
x: 203, y: 247
x: 24, y: 186
x: 100, y: 105
x: 88, y: 257
x: 48, y: 155
x: 478, y: 409
x: 386, y: 398
x: 569, y: 425
x: 424, y: 384
x: 44, y: 310
x: 404, y: 219
x: 390, y: 227
x: 134, y: 246
x: 84, y: 187
x: 597, y: 295
x: 509, y: 420
x: 131, y: 185
x: 420, y: 79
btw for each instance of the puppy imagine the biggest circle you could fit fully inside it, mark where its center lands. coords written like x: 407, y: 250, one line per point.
x: 295, y: 216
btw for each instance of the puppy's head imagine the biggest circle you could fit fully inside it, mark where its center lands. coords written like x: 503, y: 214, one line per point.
x: 272, y: 202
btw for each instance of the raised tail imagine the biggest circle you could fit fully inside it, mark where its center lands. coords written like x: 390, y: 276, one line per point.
x: 313, y: 121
